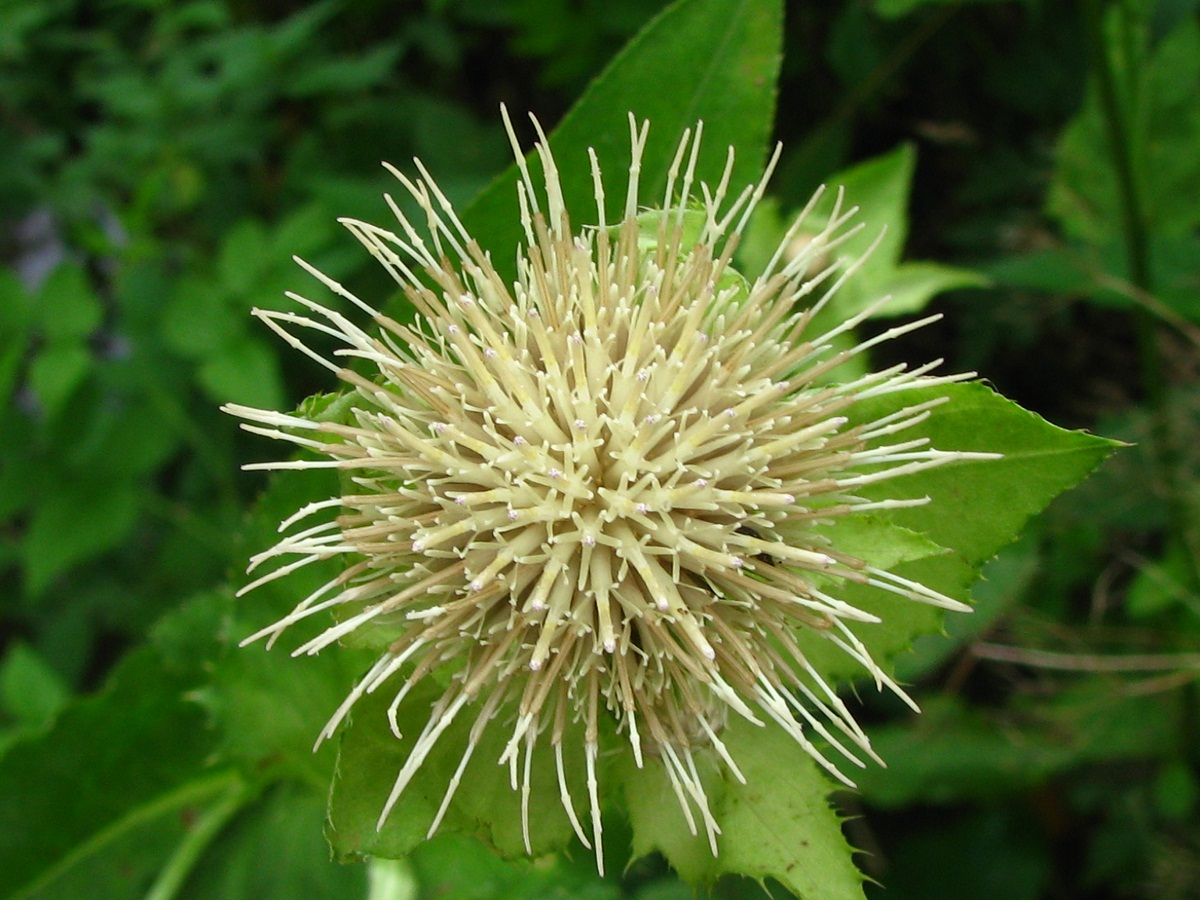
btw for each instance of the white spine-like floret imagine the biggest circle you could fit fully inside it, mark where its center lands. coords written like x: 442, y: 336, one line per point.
x: 596, y: 491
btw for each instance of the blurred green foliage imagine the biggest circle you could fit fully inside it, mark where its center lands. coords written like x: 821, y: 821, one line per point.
x: 160, y: 162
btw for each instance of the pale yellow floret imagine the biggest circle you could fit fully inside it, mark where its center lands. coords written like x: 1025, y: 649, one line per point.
x: 594, y: 493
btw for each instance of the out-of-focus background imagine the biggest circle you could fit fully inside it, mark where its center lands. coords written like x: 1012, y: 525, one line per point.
x: 160, y: 163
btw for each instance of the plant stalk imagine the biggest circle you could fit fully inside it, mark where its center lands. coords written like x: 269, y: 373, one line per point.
x: 1135, y: 237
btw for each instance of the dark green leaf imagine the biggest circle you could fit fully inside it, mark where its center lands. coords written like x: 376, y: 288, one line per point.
x: 1162, y: 115
x: 275, y: 850
x: 245, y: 255
x: 715, y: 60
x: 79, y: 520
x: 952, y: 752
x: 119, y: 761
x: 465, y: 869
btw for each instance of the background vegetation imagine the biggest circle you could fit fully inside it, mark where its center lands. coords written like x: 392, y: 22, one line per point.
x: 160, y: 162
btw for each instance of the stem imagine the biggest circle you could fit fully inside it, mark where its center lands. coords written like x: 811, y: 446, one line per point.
x: 391, y: 879
x: 196, y: 841
x: 191, y: 793
x: 1164, y: 446
x: 880, y: 75
x: 1133, y: 219
x: 1088, y: 662
x: 1133, y: 224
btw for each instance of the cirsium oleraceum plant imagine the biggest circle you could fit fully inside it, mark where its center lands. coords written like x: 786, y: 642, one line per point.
x: 595, y: 496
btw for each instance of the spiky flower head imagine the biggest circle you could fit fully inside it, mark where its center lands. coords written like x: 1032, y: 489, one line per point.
x: 598, y: 496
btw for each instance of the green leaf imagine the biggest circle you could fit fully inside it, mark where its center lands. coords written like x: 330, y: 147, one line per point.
x: 465, y: 869
x: 1162, y: 584
x: 56, y: 372
x: 68, y: 305
x: 1176, y: 791
x: 351, y: 73
x: 132, y: 756
x: 912, y: 285
x: 1055, y: 270
x: 79, y: 520
x: 952, y: 752
x: 16, y: 305
x: 269, y: 707
x: 975, y: 508
x: 30, y: 690
x: 305, y: 231
x: 715, y: 60
x: 370, y: 756
x: 245, y: 256
x: 978, y: 506
x: 245, y: 370
x: 274, y: 849
x: 879, y: 187
x: 895, y: 9
x: 901, y: 620
x: 1162, y: 112
x: 199, y: 321
x: 779, y: 824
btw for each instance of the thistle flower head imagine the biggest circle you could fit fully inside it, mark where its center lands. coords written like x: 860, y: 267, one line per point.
x: 597, y: 495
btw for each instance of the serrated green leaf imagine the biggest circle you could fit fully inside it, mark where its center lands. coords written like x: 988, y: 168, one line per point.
x: 978, y: 506
x: 485, y: 805
x: 974, y: 509
x: 778, y: 824
x: 901, y: 620
x: 711, y: 60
